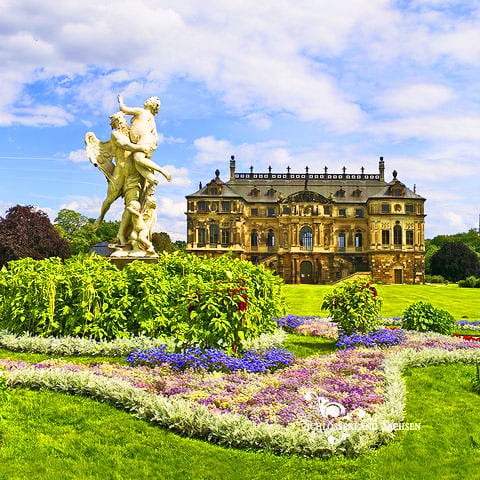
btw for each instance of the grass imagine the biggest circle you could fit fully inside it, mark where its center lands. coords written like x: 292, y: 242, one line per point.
x: 46, y: 435
x: 460, y: 302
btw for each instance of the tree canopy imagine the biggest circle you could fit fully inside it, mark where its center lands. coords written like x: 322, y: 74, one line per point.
x: 78, y: 230
x: 27, y: 232
x: 455, y: 261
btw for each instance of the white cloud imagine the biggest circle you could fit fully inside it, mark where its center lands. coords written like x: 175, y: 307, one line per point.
x: 90, y: 206
x: 78, y: 156
x: 261, y: 154
x: 446, y: 127
x: 416, y: 98
x: 259, y: 120
x: 179, y: 177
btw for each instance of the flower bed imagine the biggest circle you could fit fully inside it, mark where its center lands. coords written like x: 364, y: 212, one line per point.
x: 73, y: 346
x: 383, y: 337
x: 271, y: 410
x: 213, y: 360
x: 309, y: 326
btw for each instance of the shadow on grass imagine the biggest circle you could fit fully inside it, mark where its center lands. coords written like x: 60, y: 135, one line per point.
x: 303, y: 346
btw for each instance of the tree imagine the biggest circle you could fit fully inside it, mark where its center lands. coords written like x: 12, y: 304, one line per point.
x: 470, y: 238
x: 180, y: 244
x: 430, y: 250
x: 27, y: 232
x: 162, y: 242
x: 79, y: 232
x: 455, y: 261
x: 69, y: 221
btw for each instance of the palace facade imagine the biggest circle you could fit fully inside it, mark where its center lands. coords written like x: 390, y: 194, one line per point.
x: 312, y: 227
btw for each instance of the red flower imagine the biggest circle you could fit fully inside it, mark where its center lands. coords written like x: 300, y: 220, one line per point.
x: 242, y: 306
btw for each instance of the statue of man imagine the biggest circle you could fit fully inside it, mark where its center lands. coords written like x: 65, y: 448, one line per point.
x: 120, y: 147
x: 144, y: 131
x: 125, y: 162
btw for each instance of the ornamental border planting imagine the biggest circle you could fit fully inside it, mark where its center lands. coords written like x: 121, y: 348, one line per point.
x: 233, y: 430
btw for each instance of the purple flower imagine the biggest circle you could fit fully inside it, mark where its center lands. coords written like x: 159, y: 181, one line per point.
x: 213, y: 360
x: 379, y: 338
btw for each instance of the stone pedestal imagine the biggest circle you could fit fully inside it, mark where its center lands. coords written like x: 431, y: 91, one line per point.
x: 120, y: 262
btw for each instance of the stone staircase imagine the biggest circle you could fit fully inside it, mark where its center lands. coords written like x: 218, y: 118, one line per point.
x: 354, y: 276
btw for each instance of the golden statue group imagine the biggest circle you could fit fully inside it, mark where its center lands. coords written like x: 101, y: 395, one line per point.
x: 126, y: 162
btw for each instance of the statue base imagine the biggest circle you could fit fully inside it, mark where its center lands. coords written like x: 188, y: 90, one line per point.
x: 121, y: 262
x: 127, y: 251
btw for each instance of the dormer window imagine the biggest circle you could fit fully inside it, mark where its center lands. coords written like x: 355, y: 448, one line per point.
x: 214, y: 189
x: 254, y: 192
x: 357, y: 193
x: 271, y: 192
x: 340, y: 193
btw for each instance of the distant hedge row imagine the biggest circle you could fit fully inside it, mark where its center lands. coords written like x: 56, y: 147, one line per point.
x: 470, y: 282
x: 218, y: 302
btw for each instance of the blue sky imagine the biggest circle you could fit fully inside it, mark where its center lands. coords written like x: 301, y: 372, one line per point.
x: 274, y: 82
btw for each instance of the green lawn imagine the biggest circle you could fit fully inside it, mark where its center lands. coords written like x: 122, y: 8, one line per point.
x: 46, y: 435
x: 460, y: 302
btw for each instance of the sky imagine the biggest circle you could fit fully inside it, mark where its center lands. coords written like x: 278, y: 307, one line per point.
x: 283, y: 83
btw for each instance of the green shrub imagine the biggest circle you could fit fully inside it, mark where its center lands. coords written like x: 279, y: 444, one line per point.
x: 470, y: 282
x: 354, y: 306
x: 424, y: 317
x: 435, y: 279
x: 217, y: 302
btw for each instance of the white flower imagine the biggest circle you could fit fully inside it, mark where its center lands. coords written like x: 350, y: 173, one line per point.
x: 360, y: 413
x: 308, y: 396
x: 332, y: 440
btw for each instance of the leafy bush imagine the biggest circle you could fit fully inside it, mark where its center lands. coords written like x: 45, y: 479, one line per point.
x: 424, y: 317
x: 435, y: 279
x: 354, y: 306
x: 220, y: 302
x: 470, y: 282
x: 213, y: 360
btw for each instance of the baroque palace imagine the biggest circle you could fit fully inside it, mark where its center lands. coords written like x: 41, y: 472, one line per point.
x: 312, y: 227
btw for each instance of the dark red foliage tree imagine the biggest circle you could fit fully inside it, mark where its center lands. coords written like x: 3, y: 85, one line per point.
x: 27, y: 232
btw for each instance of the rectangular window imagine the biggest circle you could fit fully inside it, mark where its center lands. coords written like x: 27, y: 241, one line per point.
x: 202, y: 207
x: 327, y: 209
x: 385, y: 208
x: 341, y: 241
x: 271, y: 212
x: 410, y: 208
x: 386, y: 237
x: 342, y: 212
x: 226, y: 207
x: 286, y: 210
x: 409, y: 237
x: 254, y: 212
x: 225, y: 236
x: 213, y: 233
x: 202, y: 236
x: 359, y: 213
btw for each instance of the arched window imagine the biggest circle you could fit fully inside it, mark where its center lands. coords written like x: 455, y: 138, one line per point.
x: 341, y: 240
x: 254, y: 238
x: 213, y: 233
x: 270, y: 238
x: 306, y: 238
x: 397, y: 235
x: 358, y: 239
